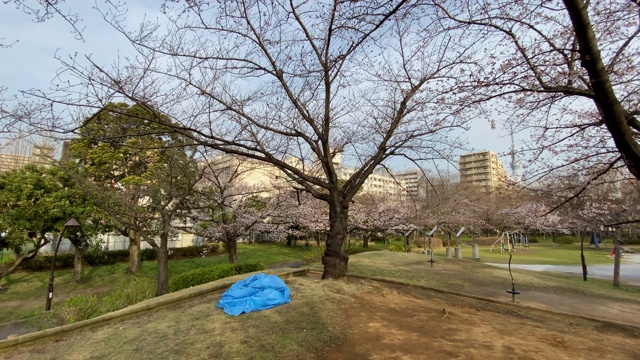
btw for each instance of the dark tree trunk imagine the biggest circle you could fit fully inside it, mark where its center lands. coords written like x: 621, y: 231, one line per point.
x: 162, y: 253
x: 616, y: 260
x: 335, y: 260
x: 553, y: 236
x: 77, y: 265
x: 582, y: 259
x: 365, y: 240
x: 232, y: 250
x: 134, y: 252
x: 615, y: 117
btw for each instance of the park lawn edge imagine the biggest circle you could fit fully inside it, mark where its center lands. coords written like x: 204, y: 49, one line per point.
x: 156, y: 302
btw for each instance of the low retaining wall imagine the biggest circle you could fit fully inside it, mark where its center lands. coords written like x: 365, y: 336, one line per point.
x: 146, y: 305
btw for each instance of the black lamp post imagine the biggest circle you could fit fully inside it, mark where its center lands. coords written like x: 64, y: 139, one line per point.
x: 74, y: 226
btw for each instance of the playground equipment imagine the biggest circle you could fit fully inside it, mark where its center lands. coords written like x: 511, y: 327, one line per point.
x: 458, y: 249
x: 511, y: 241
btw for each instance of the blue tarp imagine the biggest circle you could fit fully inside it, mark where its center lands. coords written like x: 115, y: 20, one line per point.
x: 256, y: 292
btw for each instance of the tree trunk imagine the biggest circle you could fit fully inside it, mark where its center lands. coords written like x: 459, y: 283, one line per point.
x: 365, y: 240
x: 232, y: 250
x: 335, y: 260
x: 582, y: 259
x: 616, y: 261
x: 162, y: 253
x: 614, y: 115
x: 77, y: 265
x: 6, y: 270
x: 134, y: 252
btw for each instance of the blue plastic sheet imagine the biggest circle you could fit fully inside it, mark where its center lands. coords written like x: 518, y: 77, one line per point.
x: 256, y: 292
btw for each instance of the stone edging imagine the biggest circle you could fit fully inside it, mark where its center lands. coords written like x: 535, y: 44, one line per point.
x: 495, y: 301
x: 146, y: 305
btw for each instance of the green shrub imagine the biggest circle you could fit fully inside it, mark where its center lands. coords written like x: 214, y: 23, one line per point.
x: 78, y: 308
x: 207, y: 274
x: 533, y: 241
x: 359, y: 249
x: 133, y: 292
x: 94, y: 256
x: 566, y: 240
x: 399, y: 248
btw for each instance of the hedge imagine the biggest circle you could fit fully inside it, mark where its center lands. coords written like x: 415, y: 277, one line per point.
x: 97, y: 258
x: 207, y: 274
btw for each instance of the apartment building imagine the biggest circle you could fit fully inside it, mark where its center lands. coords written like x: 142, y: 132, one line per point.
x: 381, y: 182
x: 40, y: 155
x: 483, y: 171
x: 415, y: 181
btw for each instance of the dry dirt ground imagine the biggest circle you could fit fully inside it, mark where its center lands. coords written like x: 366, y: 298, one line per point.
x: 404, y: 323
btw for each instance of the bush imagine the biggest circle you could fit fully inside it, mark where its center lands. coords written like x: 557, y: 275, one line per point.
x: 133, y: 292
x: 94, y: 256
x: 566, y: 240
x: 359, y: 249
x: 78, y: 308
x: 207, y: 274
x: 398, y: 248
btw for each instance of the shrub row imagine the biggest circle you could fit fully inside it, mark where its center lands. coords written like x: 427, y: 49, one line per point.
x: 359, y: 249
x: 95, y: 257
x: 83, y: 307
x: 210, y: 273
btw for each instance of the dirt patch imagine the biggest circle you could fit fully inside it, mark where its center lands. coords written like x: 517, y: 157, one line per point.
x: 389, y: 324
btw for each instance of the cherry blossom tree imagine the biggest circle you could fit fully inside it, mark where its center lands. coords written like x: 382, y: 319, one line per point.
x: 563, y: 71
x: 274, y: 80
x: 226, y: 208
x: 371, y: 214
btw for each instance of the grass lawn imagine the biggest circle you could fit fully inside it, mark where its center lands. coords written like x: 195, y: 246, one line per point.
x: 321, y: 316
x: 23, y: 294
x: 545, y: 253
x: 477, y: 278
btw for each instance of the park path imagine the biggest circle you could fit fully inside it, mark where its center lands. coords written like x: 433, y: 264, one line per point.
x: 629, y: 269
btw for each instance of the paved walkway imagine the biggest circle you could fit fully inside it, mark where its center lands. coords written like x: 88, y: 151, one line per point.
x: 629, y: 269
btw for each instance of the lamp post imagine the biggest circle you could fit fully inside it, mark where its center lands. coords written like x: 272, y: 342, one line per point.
x: 70, y: 224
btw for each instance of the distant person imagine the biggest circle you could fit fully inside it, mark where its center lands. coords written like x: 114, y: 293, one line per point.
x: 595, y: 240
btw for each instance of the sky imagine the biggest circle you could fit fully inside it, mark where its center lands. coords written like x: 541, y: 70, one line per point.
x: 30, y: 60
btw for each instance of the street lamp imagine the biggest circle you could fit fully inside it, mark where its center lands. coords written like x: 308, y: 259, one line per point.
x: 73, y: 226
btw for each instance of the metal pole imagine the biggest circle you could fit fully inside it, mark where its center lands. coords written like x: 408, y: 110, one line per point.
x: 51, y: 274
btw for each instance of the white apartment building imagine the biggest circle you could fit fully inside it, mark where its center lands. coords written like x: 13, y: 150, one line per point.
x: 483, y: 171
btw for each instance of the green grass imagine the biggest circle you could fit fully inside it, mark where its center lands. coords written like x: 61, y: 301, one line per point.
x: 544, y: 253
x: 23, y: 294
x: 305, y: 328
x: 475, y: 277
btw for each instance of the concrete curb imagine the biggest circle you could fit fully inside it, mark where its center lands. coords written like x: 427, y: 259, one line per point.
x: 146, y: 305
x: 494, y: 301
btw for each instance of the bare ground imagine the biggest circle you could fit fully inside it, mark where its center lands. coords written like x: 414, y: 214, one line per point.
x: 414, y: 324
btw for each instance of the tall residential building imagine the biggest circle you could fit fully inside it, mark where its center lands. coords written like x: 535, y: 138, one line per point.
x: 40, y: 155
x: 415, y: 181
x: 482, y: 170
x: 380, y: 182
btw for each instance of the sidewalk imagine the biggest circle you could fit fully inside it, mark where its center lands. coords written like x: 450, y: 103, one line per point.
x: 629, y: 269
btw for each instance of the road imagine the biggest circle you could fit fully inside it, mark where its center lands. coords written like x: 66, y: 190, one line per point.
x: 629, y: 269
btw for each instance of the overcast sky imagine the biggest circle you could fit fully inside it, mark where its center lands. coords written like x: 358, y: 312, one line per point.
x: 29, y: 62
